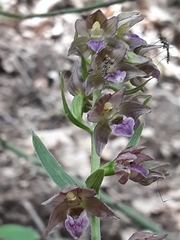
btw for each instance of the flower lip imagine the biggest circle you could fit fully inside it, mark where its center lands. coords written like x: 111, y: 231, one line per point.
x: 76, y: 226
x: 96, y: 45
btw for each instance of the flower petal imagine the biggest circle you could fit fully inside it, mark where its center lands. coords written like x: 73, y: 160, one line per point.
x: 126, y: 128
x: 116, y: 77
x: 139, y: 169
x: 81, y: 28
x: 76, y: 226
x: 97, y: 208
x: 96, y: 46
x: 101, y: 135
x: 57, y: 218
x: 110, y: 27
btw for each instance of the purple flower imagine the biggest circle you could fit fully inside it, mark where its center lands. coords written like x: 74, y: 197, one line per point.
x: 72, y: 205
x: 132, y: 164
x: 112, y: 66
x: 115, y: 114
x: 95, y: 28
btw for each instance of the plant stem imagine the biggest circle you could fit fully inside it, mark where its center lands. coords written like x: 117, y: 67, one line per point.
x: 95, y: 164
x: 95, y: 228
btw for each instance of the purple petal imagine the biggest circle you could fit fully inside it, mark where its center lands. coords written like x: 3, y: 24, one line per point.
x: 76, y: 226
x: 96, y: 46
x: 116, y: 77
x: 139, y: 169
x: 135, y: 41
x: 126, y: 128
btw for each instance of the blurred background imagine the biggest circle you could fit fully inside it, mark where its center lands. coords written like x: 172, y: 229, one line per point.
x: 32, y: 52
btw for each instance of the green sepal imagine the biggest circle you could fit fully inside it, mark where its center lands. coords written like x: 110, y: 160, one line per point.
x: 134, y: 90
x: 135, y: 59
x: 84, y: 68
x: 77, y: 106
x: 136, y: 136
x: 75, y: 35
x: 81, y: 124
x: 147, y: 100
x: 95, y: 179
x: 51, y: 165
x: 109, y: 168
x: 116, y: 87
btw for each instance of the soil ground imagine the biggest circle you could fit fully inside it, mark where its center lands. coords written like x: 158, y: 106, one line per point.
x: 32, y: 52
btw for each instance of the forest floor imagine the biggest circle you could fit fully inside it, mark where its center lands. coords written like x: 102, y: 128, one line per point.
x: 32, y: 52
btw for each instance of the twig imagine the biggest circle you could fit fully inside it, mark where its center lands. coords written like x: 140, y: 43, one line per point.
x: 17, y: 151
x: 36, y: 218
x: 62, y: 11
x: 34, y: 215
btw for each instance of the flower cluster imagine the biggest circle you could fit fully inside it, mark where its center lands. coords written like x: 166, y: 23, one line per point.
x: 115, y: 66
x: 115, y: 57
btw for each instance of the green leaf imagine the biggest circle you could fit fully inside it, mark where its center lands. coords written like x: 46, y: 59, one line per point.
x: 68, y: 112
x: 136, y: 136
x: 53, y: 168
x: 17, y: 232
x: 95, y: 179
x: 77, y: 106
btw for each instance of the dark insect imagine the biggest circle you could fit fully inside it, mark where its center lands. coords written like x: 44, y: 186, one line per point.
x: 165, y: 46
x: 106, y: 65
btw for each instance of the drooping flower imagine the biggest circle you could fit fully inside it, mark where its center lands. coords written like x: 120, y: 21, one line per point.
x: 132, y: 164
x: 147, y: 236
x: 93, y: 33
x: 72, y: 205
x: 113, y: 115
x: 129, y: 164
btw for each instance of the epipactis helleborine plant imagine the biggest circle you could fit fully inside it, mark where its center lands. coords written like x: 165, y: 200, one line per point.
x: 115, y: 66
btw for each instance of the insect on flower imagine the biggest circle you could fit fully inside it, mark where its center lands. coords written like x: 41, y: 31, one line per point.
x: 106, y: 65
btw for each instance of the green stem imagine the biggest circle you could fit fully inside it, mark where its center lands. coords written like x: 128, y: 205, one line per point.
x: 95, y: 164
x: 95, y: 228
